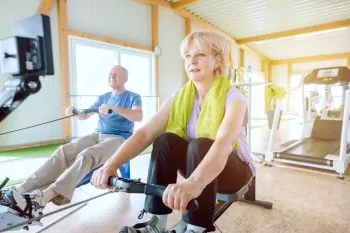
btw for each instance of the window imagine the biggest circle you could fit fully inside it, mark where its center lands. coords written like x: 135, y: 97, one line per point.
x: 257, y: 95
x: 294, y: 95
x: 91, y: 62
x: 317, y: 90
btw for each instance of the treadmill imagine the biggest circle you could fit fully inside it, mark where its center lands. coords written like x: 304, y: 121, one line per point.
x: 324, y: 141
x: 322, y: 148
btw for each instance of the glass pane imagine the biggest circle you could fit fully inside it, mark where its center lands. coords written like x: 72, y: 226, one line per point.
x: 294, y: 95
x: 93, y: 65
x: 139, y: 67
x: 257, y: 95
x: 87, y: 126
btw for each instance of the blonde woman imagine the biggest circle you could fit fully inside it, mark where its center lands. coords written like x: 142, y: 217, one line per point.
x: 199, y: 132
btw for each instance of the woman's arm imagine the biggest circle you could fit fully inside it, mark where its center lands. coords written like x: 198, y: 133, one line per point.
x: 215, y: 160
x: 176, y: 196
x: 133, y: 146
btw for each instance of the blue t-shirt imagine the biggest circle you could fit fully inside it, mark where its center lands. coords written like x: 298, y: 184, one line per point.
x: 114, y: 123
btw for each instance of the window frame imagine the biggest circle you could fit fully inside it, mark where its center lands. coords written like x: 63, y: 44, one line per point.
x: 73, y: 41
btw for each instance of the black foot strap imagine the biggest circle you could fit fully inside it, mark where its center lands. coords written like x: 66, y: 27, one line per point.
x: 4, y: 183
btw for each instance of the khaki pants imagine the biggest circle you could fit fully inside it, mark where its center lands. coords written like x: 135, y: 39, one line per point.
x: 71, y: 162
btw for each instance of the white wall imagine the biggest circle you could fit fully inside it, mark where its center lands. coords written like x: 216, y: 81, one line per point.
x: 131, y: 21
x: 280, y: 72
x: 279, y: 75
x: 40, y: 107
x: 171, y: 66
x: 235, y: 55
x: 195, y: 28
x: 307, y: 67
x: 121, y: 19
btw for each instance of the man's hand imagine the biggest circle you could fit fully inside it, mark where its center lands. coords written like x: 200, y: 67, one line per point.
x: 69, y: 111
x: 105, y: 108
x: 100, y: 177
x: 177, y: 196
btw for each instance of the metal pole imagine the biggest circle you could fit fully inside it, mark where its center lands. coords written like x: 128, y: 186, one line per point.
x: 269, y: 154
x: 61, y: 218
x: 249, y: 73
x: 343, y: 163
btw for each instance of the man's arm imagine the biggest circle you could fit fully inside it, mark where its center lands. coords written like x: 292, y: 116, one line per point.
x: 134, y: 114
x: 84, y: 116
x: 69, y: 112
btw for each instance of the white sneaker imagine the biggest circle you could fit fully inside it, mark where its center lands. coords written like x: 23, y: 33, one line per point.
x: 150, y: 226
x: 3, y: 192
x: 179, y: 227
x: 30, y: 204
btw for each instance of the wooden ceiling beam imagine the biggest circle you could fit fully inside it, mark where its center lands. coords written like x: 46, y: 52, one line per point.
x: 156, y: 2
x: 45, y: 7
x: 295, y: 32
x: 184, y: 3
x: 311, y: 58
x: 201, y: 23
x: 109, y: 40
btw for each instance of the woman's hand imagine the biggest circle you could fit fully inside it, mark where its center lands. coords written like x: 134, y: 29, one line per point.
x: 100, y: 177
x: 177, y: 196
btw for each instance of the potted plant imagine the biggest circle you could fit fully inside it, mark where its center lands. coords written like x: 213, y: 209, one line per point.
x: 273, y: 94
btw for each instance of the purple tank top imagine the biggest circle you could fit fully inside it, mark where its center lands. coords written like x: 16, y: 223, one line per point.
x: 243, y: 152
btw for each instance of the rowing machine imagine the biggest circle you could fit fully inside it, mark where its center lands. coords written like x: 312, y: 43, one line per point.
x: 11, y: 220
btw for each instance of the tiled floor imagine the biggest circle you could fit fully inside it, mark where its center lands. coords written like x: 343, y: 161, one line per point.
x: 304, y: 201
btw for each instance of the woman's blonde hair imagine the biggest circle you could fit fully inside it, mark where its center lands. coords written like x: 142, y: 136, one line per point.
x: 216, y: 44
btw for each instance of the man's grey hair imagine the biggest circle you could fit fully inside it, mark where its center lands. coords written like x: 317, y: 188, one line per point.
x: 126, y: 72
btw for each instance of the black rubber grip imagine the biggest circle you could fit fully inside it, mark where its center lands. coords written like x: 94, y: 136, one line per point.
x: 85, y: 111
x: 158, y: 191
x: 131, y: 186
x: 4, y: 182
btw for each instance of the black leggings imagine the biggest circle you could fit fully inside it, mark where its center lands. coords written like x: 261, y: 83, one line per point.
x: 172, y: 153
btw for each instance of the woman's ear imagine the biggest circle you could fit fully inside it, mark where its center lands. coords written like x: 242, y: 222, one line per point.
x: 217, y: 61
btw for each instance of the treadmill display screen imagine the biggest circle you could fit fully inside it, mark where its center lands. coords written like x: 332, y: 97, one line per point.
x: 329, y: 73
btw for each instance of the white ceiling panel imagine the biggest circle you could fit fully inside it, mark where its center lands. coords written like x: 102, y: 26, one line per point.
x: 250, y: 18
x: 331, y: 42
x: 242, y: 18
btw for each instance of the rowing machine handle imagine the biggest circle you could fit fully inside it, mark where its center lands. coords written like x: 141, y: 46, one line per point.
x: 85, y: 111
x: 132, y: 186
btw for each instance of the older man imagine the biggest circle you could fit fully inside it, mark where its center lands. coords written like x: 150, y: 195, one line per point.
x: 72, y: 161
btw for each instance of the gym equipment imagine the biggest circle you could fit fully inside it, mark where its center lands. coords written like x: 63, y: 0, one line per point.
x: 26, y: 56
x: 124, y: 169
x: 324, y: 142
x: 243, y: 81
x: 12, y: 221
x: 86, y: 111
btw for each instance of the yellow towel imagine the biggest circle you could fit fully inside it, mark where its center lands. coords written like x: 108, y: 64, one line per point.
x: 211, y: 115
